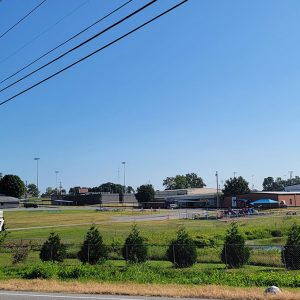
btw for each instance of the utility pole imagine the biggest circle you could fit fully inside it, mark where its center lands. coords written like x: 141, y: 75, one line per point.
x: 234, y: 173
x: 291, y: 174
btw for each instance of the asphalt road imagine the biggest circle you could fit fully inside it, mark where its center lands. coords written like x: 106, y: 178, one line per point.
x: 28, y: 295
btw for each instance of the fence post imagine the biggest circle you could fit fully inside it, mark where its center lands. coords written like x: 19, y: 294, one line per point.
x: 88, y: 253
x: 174, y: 255
x: 225, y: 250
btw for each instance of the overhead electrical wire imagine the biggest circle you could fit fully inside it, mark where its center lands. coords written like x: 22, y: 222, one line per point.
x: 22, y: 19
x: 43, y: 32
x: 94, y: 52
x: 66, y: 41
x: 80, y: 45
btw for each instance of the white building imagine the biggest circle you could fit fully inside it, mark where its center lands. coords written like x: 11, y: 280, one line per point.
x: 8, y: 202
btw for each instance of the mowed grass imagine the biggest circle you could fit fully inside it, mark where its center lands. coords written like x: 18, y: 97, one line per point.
x: 257, y: 230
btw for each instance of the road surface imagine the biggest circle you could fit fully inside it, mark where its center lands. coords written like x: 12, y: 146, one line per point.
x: 46, y: 296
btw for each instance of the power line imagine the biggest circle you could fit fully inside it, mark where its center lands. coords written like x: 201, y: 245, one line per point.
x: 66, y: 41
x: 94, y: 52
x: 43, y: 32
x: 9, y: 29
x: 79, y: 45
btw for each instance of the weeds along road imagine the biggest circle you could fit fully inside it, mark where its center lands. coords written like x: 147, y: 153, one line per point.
x: 27, y: 295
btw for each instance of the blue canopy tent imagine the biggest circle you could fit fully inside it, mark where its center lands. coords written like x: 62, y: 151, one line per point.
x: 265, y: 203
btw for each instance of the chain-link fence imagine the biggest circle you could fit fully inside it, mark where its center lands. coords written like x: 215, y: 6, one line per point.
x: 229, y: 255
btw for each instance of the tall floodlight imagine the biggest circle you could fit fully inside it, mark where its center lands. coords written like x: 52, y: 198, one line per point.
x: 217, y: 178
x: 56, y: 174
x: 37, y: 174
x: 124, y: 164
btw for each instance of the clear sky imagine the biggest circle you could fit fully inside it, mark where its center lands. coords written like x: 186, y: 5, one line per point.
x: 214, y: 85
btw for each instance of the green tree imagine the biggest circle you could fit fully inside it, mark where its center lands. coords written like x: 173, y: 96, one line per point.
x: 194, y: 181
x: 269, y: 184
x: 145, y: 193
x: 290, y: 254
x: 236, y: 186
x: 135, y: 249
x: 190, y: 180
x: 12, y: 185
x: 182, y: 251
x: 234, y: 253
x: 32, y: 189
x: 93, y: 249
x: 129, y: 190
x: 53, y: 249
x: 108, y: 187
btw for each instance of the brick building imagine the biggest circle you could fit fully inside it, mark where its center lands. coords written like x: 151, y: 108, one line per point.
x: 291, y: 199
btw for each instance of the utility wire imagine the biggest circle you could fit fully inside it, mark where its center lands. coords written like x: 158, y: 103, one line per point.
x: 94, y: 52
x: 66, y: 41
x: 43, y: 32
x: 9, y: 29
x: 79, y: 45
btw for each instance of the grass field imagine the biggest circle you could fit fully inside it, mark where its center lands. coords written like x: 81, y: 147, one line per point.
x: 264, y: 268
x: 257, y: 230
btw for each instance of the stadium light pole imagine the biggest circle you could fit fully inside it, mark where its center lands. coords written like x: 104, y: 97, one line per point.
x: 56, y: 174
x: 37, y: 174
x: 124, y: 164
x: 217, y: 178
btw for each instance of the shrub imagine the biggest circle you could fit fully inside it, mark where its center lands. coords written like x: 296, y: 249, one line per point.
x: 43, y: 271
x: 276, y: 233
x: 20, y: 252
x: 53, y: 249
x: 134, y: 249
x: 202, y: 242
x: 234, y: 253
x: 290, y: 254
x: 182, y: 251
x: 92, y: 250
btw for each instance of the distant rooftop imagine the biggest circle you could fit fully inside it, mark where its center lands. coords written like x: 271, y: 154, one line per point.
x: 188, y: 191
x: 276, y: 193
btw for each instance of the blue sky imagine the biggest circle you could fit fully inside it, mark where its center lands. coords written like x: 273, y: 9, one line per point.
x: 214, y: 85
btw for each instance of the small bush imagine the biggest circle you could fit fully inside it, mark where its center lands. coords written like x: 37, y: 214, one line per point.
x: 290, y: 254
x: 234, y: 253
x: 53, y: 249
x: 42, y: 271
x: 202, y: 242
x: 182, y: 251
x: 276, y: 233
x: 92, y: 250
x: 134, y: 249
x: 20, y: 252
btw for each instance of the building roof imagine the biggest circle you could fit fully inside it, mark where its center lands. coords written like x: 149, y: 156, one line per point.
x: 189, y: 191
x: 8, y: 199
x: 275, y: 193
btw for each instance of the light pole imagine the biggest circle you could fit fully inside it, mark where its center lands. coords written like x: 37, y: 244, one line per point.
x: 56, y: 174
x: 37, y: 174
x: 217, y: 178
x: 124, y: 164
